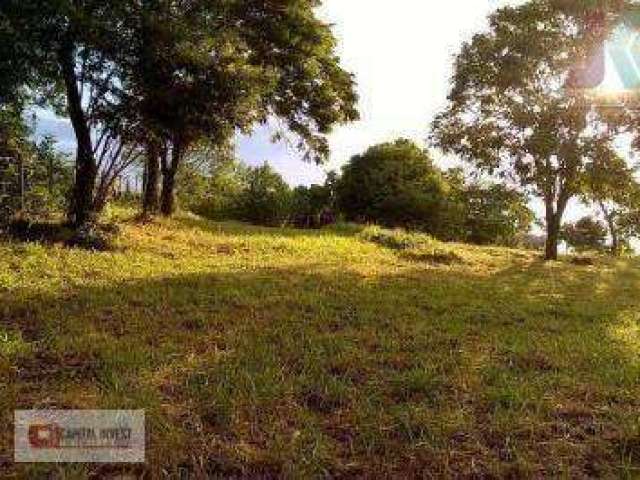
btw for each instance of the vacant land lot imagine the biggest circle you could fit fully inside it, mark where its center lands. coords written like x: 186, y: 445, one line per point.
x: 337, y: 353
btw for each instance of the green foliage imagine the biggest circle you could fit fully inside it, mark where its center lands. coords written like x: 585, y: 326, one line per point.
x: 312, y: 92
x: 160, y: 71
x: 216, y: 185
x: 212, y: 181
x: 311, y: 201
x: 314, y: 206
x: 267, y: 198
x: 397, y: 184
x: 612, y: 187
x: 50, y: 180
x: 495, y: 214
x: 394, y: 184
x: 206, y: 71
x: 586, y: 234
x: 483, y: 213
x: 629, y: 224
x: 35, y: 178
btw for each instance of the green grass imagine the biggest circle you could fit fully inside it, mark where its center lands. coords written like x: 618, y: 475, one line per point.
x: 345, y: 352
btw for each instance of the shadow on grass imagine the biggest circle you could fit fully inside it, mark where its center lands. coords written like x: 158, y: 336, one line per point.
x: 288, y: 373
x: 98, y: 237
x: 38, y: 232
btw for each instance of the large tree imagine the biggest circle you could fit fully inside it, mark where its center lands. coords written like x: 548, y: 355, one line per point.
x: 206, y: 71
x: 514, y: 110
x: 60, y: 52
x: 174, y: 73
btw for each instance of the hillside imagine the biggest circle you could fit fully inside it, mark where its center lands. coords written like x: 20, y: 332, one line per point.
x: 341, y: 353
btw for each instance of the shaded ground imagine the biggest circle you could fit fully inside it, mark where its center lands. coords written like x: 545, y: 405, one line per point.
x: 272, y: 353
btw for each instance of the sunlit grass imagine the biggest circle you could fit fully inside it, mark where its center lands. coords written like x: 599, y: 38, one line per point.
x: 343, y: 352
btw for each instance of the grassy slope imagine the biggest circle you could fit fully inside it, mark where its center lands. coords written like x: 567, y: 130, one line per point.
x: 310, y: 353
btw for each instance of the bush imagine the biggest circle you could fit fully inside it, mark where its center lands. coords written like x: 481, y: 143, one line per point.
x: 397, y: 239
x: 267, y: 198
x: 398, y: 185
x: 312, y: 207
x: 586, y: 234
x: 393, y: 184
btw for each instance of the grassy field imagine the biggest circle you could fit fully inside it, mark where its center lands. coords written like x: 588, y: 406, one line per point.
x: 328, y: 354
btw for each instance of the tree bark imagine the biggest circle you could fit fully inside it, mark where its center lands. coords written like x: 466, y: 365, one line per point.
x: 81, y: 211
x: 615, y: 243
x: 553, y: 235
x: 168, y: 200
x: 151, y: 197
x: 168, y: 197
x: 554, y: 214
x: 613, y: 230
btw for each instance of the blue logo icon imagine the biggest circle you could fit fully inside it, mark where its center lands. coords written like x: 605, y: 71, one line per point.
x: 617, y: 60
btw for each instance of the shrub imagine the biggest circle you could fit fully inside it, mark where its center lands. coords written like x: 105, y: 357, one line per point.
x: 586, y: 234
x: 398, y: 185
x: 393, y: 184
x: 266, y: 199
x: 397, y: 239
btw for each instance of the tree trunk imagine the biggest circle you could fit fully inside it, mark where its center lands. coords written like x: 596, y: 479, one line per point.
x: 151, y: 198
x: 615, y: 243
x: 554, y: 222
x: 613, y: 230
x: 100, y: 200
x: 82, y: 205
x: 553, y: 235
x: 168, y: 197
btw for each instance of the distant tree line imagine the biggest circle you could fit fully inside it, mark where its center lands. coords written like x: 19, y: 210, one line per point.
x: 393, y: 184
